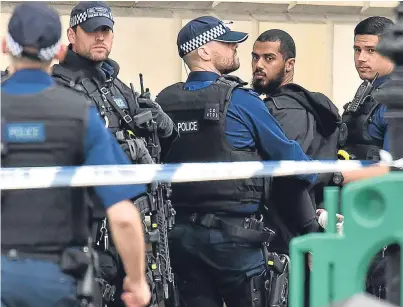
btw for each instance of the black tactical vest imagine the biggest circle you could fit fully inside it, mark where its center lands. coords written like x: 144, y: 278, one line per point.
x: 103, y: 94
x: 44, y: 129
x: 100, y: 93
x: 200, y: 117
x: 354, y: 137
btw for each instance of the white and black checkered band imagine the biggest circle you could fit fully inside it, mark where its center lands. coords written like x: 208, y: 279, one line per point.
x: 90, y: 13
x: 203, y: 39
x: 45, y: 54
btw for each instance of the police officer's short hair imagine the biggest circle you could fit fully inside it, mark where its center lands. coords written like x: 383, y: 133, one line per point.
x: 374, y: 25
x: 287, y: 44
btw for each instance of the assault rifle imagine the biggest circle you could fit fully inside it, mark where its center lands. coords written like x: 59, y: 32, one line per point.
x: 159, y: 218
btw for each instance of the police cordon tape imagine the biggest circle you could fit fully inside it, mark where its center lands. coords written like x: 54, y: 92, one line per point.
x: 50, y: 177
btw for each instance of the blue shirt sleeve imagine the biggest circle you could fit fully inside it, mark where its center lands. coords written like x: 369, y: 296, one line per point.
x: 248, y: 113
x: 101, y: 148
x: 378, y: 127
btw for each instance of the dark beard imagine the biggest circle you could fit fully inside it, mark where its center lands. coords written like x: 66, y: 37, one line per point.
x: 269, y: 88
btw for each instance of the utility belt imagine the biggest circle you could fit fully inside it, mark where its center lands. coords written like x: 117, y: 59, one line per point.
x: 79, y: 262
x: 14, y: 254
x: 270, y: 288
x: 249, y: 228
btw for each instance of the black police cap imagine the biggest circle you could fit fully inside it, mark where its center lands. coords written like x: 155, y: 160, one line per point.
x: 91, y: 15
x: 34, y: 25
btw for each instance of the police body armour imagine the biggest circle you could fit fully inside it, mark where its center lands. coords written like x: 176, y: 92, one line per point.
x: 200, y: 118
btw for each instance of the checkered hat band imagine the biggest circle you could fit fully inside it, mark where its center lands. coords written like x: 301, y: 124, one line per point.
x: 203, y: 39
x: 90, y: 13
x: 45, y: 54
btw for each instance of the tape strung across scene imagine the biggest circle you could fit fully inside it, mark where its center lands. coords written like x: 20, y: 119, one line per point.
x: 48, y: 177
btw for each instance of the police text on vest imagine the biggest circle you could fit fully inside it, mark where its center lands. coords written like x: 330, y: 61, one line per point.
x: 25, y: 132
x: 188, y: 126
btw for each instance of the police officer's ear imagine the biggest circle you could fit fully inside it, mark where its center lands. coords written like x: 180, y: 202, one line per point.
x: 204, y: 53
x: 289, y: 65
x: 61, y: 54
x: 4, y: 47
x: 71, y: 35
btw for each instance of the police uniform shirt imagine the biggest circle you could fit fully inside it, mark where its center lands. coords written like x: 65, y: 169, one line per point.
x: 250, y: 125
x: 378, y: 127
x: 100, y: 147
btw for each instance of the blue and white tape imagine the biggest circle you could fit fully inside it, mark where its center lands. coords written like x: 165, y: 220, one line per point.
x: 47, y: 177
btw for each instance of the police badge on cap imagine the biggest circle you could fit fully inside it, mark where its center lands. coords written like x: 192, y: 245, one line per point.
x: 91, y: 15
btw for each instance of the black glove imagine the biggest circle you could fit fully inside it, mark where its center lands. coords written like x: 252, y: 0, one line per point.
x: 165, y: 124
x: 137, y: 151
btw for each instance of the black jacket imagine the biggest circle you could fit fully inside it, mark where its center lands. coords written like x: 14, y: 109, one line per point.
x: 313, y: 121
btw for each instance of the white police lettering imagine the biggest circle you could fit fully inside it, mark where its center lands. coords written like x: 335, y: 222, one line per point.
x: 211, y: 111
x: 99, y: 12
x: 188, y: 127
x: 25, y: 132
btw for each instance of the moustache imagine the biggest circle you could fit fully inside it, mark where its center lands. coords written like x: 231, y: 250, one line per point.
x: 260, y: 72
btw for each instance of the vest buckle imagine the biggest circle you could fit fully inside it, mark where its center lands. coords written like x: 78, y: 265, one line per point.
x: 127, y: 118
x: 104, y: 90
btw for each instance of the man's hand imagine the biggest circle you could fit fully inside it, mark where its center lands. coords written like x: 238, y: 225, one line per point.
x: 136, y: 294
x: 322, y: 217
x: 164, y: 122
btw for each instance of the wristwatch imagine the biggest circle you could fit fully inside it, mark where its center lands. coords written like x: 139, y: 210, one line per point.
x: 338, y: 179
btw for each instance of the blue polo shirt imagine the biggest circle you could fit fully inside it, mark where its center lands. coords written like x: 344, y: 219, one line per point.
x: 100, y: 147
x: 249, y: 124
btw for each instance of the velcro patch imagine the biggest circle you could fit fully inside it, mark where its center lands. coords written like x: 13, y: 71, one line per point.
x: 188, y: 126
x: 25, y: 132
x: 120, y: 102
x: 212, y: 111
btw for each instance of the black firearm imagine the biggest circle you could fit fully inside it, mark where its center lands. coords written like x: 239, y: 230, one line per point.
x: 361, y: 95
x: 161, y: 218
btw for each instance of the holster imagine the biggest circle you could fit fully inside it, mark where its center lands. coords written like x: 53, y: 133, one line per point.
x: 276, y: 284
x: 82, y: 264
x: 258, y: 291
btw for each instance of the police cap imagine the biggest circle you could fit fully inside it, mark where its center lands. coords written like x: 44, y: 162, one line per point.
x: 202, y: 30
x: 91, y: 15
x: 36, y: 27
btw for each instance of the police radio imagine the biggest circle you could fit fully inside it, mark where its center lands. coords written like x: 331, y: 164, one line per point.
x: 362, y: 93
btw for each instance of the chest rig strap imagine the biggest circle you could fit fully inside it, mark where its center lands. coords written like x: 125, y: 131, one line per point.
x: 127, y: 119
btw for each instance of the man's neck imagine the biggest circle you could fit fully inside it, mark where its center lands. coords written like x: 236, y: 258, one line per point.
x: 288, y: 79
x: 24, y: 66
x: 207, y: 68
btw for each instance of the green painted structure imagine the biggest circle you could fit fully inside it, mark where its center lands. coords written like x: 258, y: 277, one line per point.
x: 373, y: 218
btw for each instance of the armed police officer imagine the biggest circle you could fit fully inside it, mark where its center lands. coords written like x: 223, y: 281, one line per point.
x: 46, y: 257
x: 87, y: 66
x: 216, y: 245
x: 364, y: 131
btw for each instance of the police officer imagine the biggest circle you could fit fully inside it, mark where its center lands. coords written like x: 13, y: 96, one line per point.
x: 216, y: 245
x: 44, y: 232
x: 87, y: 66
x: 365, y: 130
